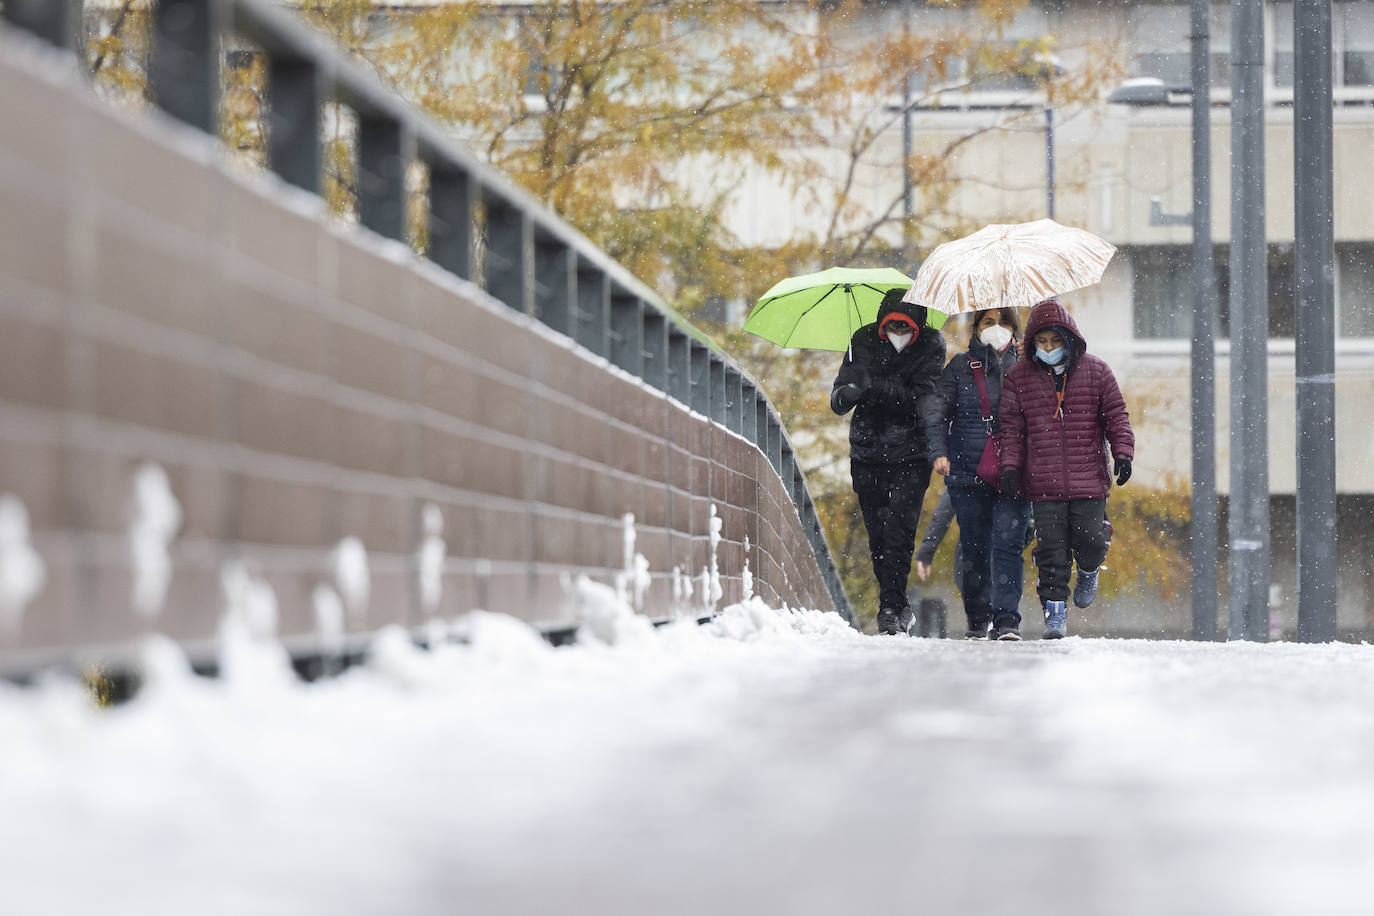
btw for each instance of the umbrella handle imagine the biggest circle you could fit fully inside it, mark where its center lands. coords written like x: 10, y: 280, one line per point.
x: 849, y: 320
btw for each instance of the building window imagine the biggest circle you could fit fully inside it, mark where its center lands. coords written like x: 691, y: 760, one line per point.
x: 1283, y: 45
x: 1355, y: 289
x: 1357, y: 34
x: 1160, y: 48
x: 1352, y: 37
x: 1162, y: 290
x: 1283, y: 291
x: 1159, y: 43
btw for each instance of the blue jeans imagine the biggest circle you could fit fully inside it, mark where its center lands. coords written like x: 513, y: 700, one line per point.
x: 992, y: 539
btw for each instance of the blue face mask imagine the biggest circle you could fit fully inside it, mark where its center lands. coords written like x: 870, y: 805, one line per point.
x: 1050, y: 357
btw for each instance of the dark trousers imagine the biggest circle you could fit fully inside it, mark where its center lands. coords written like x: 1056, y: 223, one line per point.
x: 890, y: 497
x: 1067, y: 532
x: 992, y: 544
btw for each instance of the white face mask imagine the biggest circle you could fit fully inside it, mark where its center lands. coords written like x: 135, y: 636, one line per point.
x: 996, y: 337
x: 899, y: 341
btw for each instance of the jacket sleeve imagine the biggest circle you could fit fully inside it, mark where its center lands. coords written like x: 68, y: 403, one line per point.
x: 937, y: 410
x: 935, y: 533
x: 1116, y: 421
x: 1011, y: 427
x: 849, y: 386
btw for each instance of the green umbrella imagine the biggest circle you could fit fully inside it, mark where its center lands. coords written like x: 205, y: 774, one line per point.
x: 822, y: 311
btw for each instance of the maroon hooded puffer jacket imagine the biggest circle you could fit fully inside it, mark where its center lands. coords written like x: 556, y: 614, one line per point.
x: 1061, y: 458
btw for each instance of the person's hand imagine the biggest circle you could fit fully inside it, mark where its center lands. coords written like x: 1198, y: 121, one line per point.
x: 941, y: 467
x: 922, y: 570
x: 1122, y: 469
x: 843, y: 398
x: 1010, y: 483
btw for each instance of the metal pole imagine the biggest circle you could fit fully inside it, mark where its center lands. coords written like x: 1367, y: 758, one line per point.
x: 1316, y: 321
x: 1204, y: 386
x: 1049, y: 156
x: 907, y: 209
x: 1248, y: 522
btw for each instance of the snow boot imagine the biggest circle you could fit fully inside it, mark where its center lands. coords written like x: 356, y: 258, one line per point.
x: 1006, y: 633
x: 894, y: 622
x: 1056, y: 620
x: 1085, y: 589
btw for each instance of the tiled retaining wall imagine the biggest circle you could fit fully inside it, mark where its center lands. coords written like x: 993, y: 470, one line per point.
x: 301, y: 382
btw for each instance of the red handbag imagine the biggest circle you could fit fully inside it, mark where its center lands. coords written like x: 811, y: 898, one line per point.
x: 989, y: 464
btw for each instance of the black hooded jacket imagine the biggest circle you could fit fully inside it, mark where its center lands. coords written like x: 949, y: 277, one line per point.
x: 885, y: 388
x: 954, y: 413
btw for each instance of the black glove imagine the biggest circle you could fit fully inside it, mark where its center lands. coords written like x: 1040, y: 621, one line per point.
x: 843, y: 398
x: 1010, y: 484
x: 1122, y: 469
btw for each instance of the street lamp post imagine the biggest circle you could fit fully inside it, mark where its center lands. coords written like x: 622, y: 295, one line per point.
x: 1248, y: 520
x: 1152, y: 92
x: 907, y: 208
x: 1316, y: 324
x: 1203, y: 395
x: 1049, y: 153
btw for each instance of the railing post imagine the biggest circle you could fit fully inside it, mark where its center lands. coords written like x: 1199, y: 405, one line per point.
x: 734, y: 413
x: 655, y: 347
x: 787, y: 468
x: 555, y: 283
x: 453, y: 199
x: 761, y: 422
x: 701, y: 378
x: 627, y: 332
x: 510, y: 254
x: 749, y: 412
x: 717, y: 402
x: 293, y: 127
x: 593, y: 309
x: 184, y: 71
x: 57, y: 22
x: 774, y: 450
x: 680, y: 365
x: 381, y: 175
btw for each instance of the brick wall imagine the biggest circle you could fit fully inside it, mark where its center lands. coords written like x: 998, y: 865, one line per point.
x: 301, y: 382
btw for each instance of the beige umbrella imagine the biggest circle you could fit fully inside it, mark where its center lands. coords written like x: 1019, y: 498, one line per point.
x: 1009, y: 264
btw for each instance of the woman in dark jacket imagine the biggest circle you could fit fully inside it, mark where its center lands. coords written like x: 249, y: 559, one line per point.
x: 888, y: 372
x: 992, y: 525
x: 1061, y: 408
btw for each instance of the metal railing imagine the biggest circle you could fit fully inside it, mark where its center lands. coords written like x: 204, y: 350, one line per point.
x: 530, y: 258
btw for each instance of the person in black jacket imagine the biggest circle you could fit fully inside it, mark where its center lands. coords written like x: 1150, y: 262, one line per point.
x: 888, y: 372
x: 992, y: 525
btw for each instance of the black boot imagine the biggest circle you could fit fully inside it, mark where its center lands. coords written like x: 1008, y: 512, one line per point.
x: 894, y: 621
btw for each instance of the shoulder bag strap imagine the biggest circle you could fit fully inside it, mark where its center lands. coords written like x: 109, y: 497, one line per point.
x: 982, y: 384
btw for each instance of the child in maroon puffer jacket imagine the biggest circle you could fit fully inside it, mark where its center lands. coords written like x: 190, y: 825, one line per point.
x: 1060, y: 410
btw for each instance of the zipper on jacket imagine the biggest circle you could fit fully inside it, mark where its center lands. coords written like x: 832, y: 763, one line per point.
x: 1063, y: 434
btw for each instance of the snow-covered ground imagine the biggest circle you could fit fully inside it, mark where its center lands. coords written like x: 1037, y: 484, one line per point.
x: 769, y: 762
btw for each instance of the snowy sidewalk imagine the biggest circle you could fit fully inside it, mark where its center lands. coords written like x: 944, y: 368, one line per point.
x: 766, y: 763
